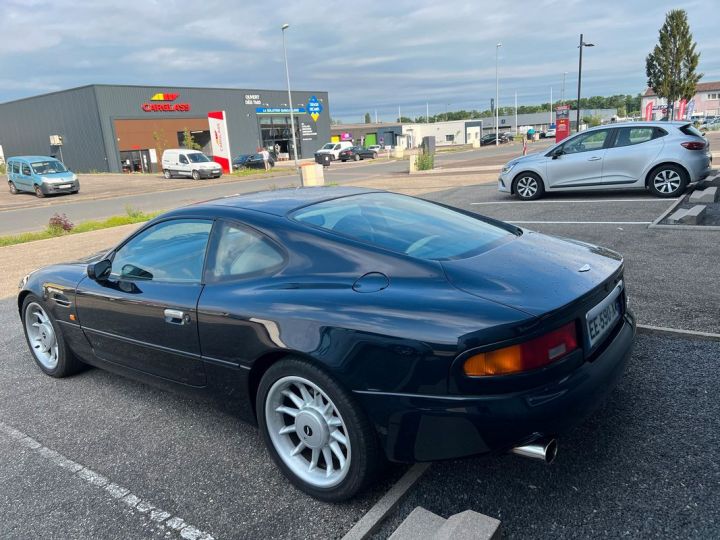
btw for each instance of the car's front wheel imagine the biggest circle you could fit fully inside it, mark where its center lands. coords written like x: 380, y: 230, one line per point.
x: 315, y: 432
x: 13, y: 189
x: 39, y: 192
x: 167, y: 174
x: 196, y: 175
x: 529, y: 186
x: 46, y: 341
x: 667, y: 181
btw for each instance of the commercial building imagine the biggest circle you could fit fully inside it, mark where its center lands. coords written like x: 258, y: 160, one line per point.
x: 705, y: 102
x: 454, y: 131
x: 117, y: 128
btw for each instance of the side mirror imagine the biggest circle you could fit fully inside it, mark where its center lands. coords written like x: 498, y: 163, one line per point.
x: 99, y: 271
x: 557, y: 153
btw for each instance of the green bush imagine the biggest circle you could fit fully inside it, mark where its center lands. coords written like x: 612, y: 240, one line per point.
x: 2, y: 168
x: 425, y: 161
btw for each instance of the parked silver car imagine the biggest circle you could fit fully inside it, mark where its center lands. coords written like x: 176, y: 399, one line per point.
x: 663, y: 157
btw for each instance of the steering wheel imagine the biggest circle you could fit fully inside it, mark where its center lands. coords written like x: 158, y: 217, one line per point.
x: 418, y: 244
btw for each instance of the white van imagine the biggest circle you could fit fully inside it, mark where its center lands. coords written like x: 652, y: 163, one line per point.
x: 184, y: 162
x: 334, y: 148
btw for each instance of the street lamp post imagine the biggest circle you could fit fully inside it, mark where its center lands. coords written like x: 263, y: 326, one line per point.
x: 562, y: 94
x: 497, y: 96
x: 582, y: 44
x: 290, y: 103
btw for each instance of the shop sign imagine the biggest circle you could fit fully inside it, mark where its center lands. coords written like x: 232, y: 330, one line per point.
x: 307, y: 132
x: 562, y: 121
x: 346, y: 136
x: 278, y: 110
x: 252, y: 99
x: 217, y: 120
x: 161, y: 102
x: 314, y: 108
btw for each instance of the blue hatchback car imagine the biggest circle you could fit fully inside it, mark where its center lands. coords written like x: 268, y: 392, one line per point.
x: 42, y: 175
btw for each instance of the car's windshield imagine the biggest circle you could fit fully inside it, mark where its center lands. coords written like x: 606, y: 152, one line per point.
x: 198, y: 157
x: 51, y: 166
x: 411, y: 226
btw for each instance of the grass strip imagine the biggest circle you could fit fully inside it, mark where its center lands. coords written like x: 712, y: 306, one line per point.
x: 86, y: 226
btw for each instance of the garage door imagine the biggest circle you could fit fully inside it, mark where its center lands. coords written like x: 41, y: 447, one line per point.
x: 370, y: 139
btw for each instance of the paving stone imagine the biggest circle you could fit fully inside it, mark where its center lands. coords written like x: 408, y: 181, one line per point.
x: 469, y: 525
x: 420, y: 523
x: 707, y: 195
x: 689, y: 216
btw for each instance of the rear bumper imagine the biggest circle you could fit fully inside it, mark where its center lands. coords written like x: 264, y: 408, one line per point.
x: 427, y: 428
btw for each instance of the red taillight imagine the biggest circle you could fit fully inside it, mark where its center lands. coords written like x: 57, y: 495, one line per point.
x: 533, y: 354
x: 694, y: 145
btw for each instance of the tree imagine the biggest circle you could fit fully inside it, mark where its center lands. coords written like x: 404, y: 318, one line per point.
x: 368, y: 120
x: 671, y: 66
x: 189, y: 141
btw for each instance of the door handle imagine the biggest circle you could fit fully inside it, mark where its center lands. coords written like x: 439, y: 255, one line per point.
x: 175, y: 316
x: 596, y: 158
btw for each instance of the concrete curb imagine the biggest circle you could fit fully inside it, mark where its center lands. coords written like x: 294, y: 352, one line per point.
x: 656, y: 224
x: 375, y: 516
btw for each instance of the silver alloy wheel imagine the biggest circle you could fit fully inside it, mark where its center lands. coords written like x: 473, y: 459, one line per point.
x: 167, y: 174
x: 308, y: 432
x: 527, y: 186
x: 667, y: 181
x: 41, y: 335
x: 12, y: 187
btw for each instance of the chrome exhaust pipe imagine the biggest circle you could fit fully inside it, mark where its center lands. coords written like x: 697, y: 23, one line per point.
x: 544, y: 449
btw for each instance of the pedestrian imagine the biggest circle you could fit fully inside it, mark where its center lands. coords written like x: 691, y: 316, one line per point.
x: 266, y: 158
x: 531, y: 134
x: 277, y: 149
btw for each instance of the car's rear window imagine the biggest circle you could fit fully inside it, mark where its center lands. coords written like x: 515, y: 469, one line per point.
x: 405, y: 225
x: 689, y: 129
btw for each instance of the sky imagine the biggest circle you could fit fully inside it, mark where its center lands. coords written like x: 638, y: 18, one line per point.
x: 370, y: 56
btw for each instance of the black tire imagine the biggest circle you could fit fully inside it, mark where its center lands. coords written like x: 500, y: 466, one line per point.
x: 374, y: 156
x: 39, y: 192
x: 195, y: 175
x: 68, y: 363
x: 667, y: 181
x: 366, y: 457
x: 528, y: 186
x: 13, y: 189
x: 343, y: 160
x: 167, y: 174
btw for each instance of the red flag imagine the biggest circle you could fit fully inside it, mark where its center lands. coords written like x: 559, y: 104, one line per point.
x: 648, y: 111
x: 681, y: 109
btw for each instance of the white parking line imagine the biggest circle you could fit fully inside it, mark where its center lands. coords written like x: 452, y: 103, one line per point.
x: 583, y: 222
x: 561, y: 201
x: 678, y: 331
x: 142, y: 508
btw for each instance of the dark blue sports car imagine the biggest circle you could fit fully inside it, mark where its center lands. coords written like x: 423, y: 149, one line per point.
x: 351, y: 325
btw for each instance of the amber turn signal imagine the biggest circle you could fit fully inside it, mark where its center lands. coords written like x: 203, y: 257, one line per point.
x: 527, y: 356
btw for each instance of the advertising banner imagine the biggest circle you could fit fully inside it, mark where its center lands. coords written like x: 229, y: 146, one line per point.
x: 562, y: 122
x: 682, y: 109
x: 219, y: 139
x: 649, y: 111
x: 690, y: 109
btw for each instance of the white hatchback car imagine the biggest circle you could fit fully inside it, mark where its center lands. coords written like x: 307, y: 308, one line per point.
x: 193, y: 163
x: 663, y: 157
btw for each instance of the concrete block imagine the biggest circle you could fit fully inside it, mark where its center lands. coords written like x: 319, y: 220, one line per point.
x: 689, y: 216
x: 707, y: 195
x: 469, y: 525
x: 312, y: 174
x: 420, y: 523
x: 675, y: 217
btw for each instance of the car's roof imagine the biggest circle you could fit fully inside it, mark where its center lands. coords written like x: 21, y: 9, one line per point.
x: 653, y: 123
x: 33, y: 158
x: 282, y: 201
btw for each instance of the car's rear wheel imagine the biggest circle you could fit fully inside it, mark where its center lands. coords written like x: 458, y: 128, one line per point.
x: 375, y: 155
x: 314, y: 431
x: 667, y: 181
x: 196, y: 175
x: 46, y: 341
x: 356, y: 157
x: 13, y: 189
x: 39, y: 192
x: 167, y: 174
x: 528, y: 186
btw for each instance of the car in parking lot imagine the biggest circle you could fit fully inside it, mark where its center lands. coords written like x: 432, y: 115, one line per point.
x: 41, y: 175
x: 662, y: 157
x: 490, y: 139
x: 356, y: 153
x: 333, y: 149
x: 375, y: 147
x: 251, y: 161
x: 192, y: 163
x: 351, y: 325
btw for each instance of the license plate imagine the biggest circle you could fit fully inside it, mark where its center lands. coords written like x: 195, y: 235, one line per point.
x: 64, y: 185
x: 600, y: 319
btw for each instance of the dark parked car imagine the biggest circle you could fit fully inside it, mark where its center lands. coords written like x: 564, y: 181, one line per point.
x: 356, y: 153
x: 251, y: 161
x: 352, y: 325
x: 490, y: 139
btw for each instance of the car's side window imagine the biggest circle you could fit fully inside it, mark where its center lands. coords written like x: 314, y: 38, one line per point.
x: 183, y: 159
x: 239, y: 252
x: 629, y: 136
x: 170, y: 251
x: 587, y: 142
x: 26, y: 170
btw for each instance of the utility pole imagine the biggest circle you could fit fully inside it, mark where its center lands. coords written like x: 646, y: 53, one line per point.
x: 497, y: 96
x: 376, y: 116
x: 292, y: 119
x: 399, y: 115
x: 550, y: 106
x: 427, y: 112
x: 516, y: 122
x: 582, y: 44
x: 562, y: 94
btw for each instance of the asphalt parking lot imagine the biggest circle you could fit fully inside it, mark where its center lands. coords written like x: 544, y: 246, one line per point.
x: 645, y: 465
